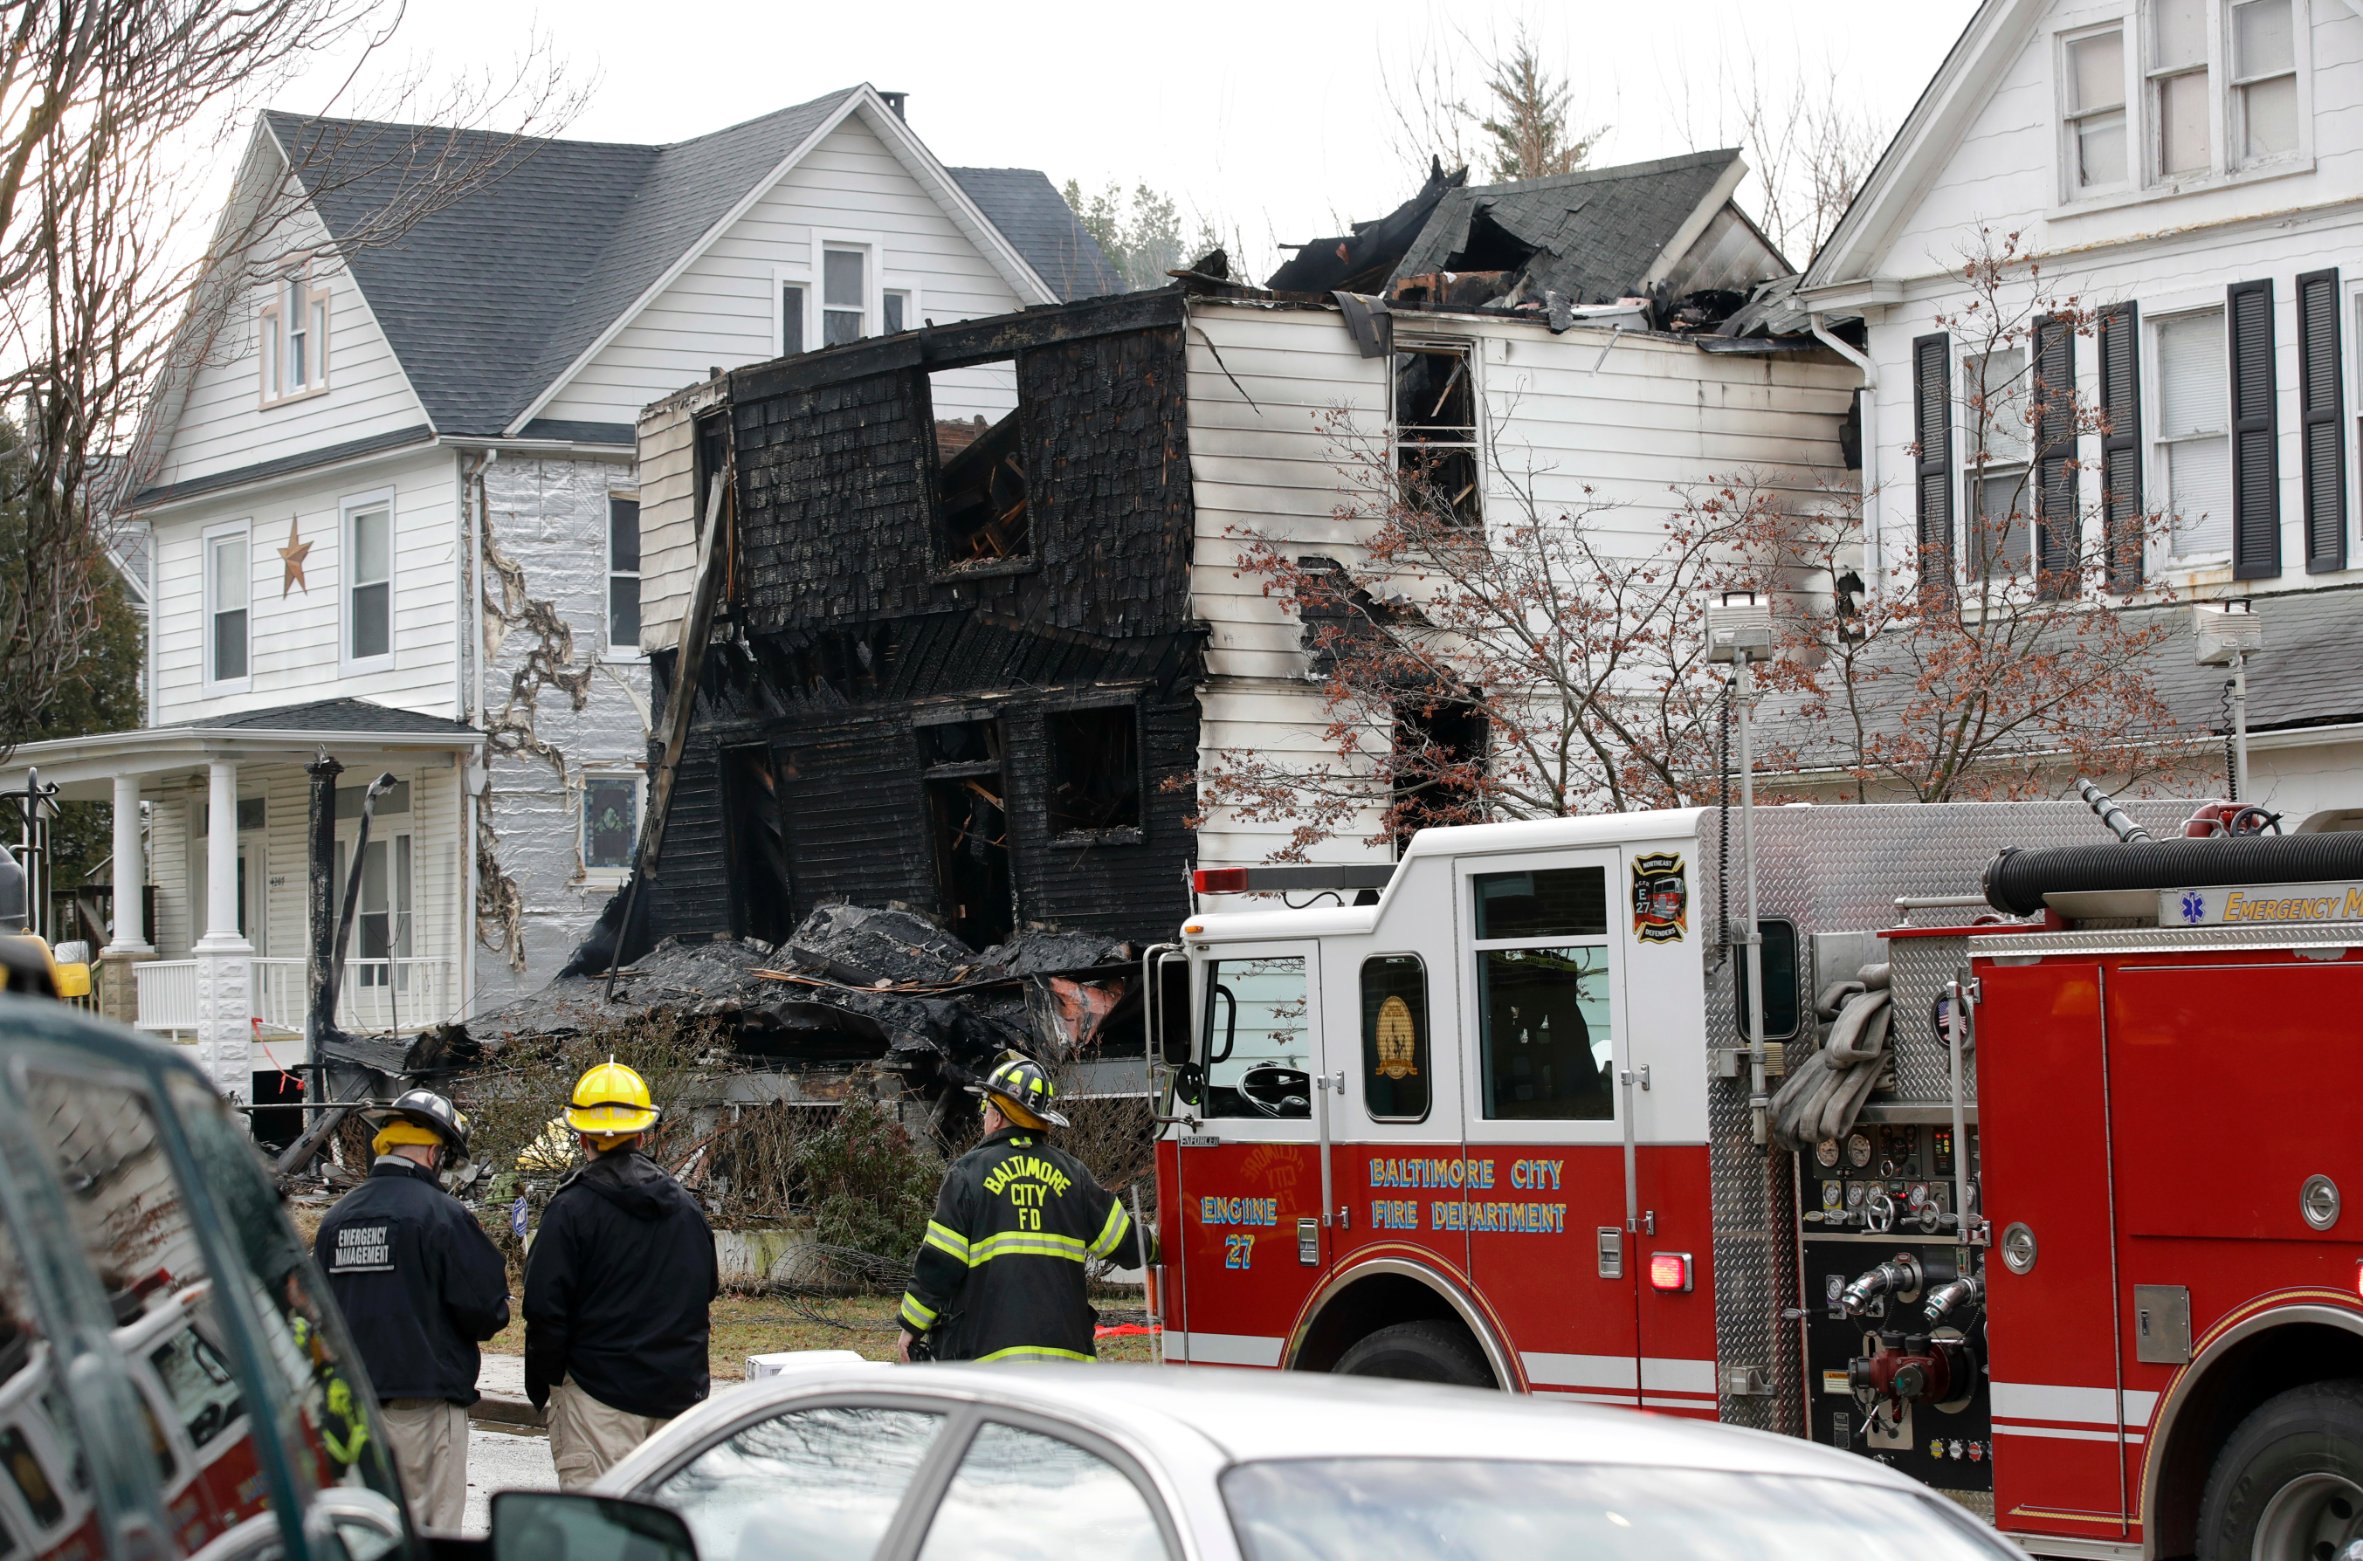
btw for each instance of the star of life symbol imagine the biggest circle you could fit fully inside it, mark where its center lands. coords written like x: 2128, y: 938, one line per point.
x: 2194, y: 908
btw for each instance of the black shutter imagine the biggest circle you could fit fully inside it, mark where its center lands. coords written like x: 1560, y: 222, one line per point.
x: 2057, y: 545
x: 1932, y: 430
x: 2122, y: 525
x: 2256, y: 471
x: 2321, y: 409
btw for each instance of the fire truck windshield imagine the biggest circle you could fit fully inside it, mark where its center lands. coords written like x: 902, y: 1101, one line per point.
x: 1430, y: 1509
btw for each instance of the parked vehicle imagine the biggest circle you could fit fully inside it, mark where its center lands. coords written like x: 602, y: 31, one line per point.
x: 1053, y: 1463
x: 172, y: 1378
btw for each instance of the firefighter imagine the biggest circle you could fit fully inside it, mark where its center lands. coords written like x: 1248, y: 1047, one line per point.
x: 1000, y: 1275
x: 618, y: 1287
x: 422, y: 1286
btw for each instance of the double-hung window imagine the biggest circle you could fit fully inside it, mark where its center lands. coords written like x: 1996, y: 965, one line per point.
x: 2191, y: 433
x: 2094, y: 109
x: 1994, y: 405
x: 293, y: 332
x: 369, y: 579
x: 2179, y: 100
x: 623, y: 572
x: 2264, y: 110
x: 844, y: 294
x: 227, y: 582
x: 1436, y: 459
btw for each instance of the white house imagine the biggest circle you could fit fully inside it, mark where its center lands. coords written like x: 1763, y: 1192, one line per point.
x: 392, y: 518
x: 2193, y: 169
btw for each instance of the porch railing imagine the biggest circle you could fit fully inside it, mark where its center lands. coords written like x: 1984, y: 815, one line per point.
x: 380, y: 995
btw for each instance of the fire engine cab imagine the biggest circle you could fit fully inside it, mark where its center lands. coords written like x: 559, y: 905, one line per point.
x: 2032, y: 1185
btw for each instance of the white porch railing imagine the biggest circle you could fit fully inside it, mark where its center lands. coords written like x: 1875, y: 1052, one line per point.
x: 167, y: 994
x: 379, y: 995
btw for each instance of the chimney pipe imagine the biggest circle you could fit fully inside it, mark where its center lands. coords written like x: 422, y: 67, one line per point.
x: 895, y: 101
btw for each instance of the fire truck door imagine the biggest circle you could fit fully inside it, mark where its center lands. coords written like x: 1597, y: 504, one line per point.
x: 1543, y: 1196
x: 1397, y: 1131
x: 2043, y: 1162
x: 1251, y: 1174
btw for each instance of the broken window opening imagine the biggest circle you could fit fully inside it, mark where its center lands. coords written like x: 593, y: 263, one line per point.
x: 757, y: 842
x: 1094, y: 771
x: 1439, y: 765
x: 980, y: 473
x: 1436, y: 430
x: 968, y: 828
x: 611, y: 822
x: 710, y: 462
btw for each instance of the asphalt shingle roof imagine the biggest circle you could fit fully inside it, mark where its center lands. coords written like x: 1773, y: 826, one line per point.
x: 338, y: 715
x: 488, y: 298
x: 1600, y: 228
x: 1042, y: 227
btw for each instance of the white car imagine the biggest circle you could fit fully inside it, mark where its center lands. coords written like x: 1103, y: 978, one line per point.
x: 1113, y: 1463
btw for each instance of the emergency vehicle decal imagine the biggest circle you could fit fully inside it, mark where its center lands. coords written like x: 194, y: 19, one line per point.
x: 1661, y: 898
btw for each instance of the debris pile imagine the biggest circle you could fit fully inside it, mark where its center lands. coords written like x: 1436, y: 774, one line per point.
x: 853, y: 984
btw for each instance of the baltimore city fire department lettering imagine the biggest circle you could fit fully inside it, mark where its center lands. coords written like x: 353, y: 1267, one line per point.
x: 1437, y: 1173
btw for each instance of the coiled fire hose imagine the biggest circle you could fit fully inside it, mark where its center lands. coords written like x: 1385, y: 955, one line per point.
x: 1820, y: 1100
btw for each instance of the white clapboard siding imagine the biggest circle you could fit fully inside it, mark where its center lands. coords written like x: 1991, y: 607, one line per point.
x: 223, y: 424
x: 668, y: 512
x: 720, y: 311
x: 2162, y: 251
x: 294, y: 635
x: 1598, y: 427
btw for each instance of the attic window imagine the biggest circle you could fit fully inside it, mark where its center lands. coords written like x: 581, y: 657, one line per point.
x: 1436, y: 431
x: 292, y: 332
x: 1094, y: 771
x: 980, y: 472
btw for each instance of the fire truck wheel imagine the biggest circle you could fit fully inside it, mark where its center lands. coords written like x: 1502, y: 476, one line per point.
x: 2289, y: 1483
x: 1425, y: 1351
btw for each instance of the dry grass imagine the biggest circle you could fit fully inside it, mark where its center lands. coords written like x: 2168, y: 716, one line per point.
x: 747, y: 1325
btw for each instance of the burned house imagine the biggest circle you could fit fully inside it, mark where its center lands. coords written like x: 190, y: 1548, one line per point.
x: 952, y: 663
x: 976, y: 613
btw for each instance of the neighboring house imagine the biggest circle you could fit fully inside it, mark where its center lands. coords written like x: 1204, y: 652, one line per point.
x: 2190, y: 169
x: 984, y: 620
x: 392, y: 513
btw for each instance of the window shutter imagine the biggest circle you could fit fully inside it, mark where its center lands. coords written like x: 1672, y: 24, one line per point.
x: 2058, y: 547
x: 2256, y: 486
x: 2321, y: 410
x: 2120, y: 447
x: 1932, y: 429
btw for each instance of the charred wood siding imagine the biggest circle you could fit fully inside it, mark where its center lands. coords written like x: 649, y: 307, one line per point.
x: 854, y: 633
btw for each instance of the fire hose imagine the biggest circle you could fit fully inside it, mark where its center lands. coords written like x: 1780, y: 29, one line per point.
x: 1821, y: 1099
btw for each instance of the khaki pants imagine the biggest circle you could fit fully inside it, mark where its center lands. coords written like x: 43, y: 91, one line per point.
x: 430, y: 1443
x: 588, y: 1438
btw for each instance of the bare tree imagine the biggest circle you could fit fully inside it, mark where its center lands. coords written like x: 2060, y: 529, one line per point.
x: 2001, y: 666
x: 104, y: 109
x: 1525, y: 129
x: 1806, y: 137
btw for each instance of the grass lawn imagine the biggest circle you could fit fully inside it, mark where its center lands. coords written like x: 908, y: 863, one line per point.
x: 747, y: 1325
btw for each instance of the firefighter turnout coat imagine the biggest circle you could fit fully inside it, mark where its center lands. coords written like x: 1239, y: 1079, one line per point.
x: 1000, y: 1275
x: 418, y: 1280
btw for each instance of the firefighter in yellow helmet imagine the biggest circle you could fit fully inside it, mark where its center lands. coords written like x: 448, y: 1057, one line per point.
x: 1001, y: 1273
x: 618, y: 1287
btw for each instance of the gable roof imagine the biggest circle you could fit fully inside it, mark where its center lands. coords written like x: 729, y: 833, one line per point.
x: 1035, y: 218
x: 489, y: 301
x: 1597, y: 233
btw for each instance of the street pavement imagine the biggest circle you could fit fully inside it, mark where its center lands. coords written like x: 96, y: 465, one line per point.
x: 501, y: 1460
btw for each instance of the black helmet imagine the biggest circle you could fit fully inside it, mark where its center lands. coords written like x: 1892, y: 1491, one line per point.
x: 424, y: 1108
x: 1019, y: 1082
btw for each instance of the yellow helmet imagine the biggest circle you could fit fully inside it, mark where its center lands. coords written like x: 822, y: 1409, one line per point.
x: 611, y: 1099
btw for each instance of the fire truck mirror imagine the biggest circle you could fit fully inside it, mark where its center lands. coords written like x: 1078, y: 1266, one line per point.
x: 1175, y: 1040
x: 1781, y: 1016
x: 1395, y: 1069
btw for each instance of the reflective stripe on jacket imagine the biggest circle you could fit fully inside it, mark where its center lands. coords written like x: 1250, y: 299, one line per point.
x: 1001, y: 1273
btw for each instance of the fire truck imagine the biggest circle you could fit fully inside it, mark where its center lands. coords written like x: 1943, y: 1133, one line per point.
x: 2031, y: 1185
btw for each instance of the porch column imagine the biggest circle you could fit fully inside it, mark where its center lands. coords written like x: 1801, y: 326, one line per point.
x: 225, y: 960
x: 119, y: 961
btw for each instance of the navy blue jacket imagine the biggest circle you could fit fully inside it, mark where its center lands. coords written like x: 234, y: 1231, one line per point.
x: 618, y: 1289
x: 417, y: 1279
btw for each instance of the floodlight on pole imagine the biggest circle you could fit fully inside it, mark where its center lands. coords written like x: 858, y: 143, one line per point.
x: 1739, y: 632
x: 2226, y: 634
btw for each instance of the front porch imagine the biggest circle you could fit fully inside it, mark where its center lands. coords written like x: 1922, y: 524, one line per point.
x: 217, y: 815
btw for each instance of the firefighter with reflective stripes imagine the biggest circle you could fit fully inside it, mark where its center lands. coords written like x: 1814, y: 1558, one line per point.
x: 1000, y: 1275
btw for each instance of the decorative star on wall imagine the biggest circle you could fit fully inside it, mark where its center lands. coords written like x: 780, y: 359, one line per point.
x: 292, y: 555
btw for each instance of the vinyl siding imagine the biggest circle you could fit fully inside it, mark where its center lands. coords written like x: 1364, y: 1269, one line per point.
x: 294, y: 635
x: 719, y: 312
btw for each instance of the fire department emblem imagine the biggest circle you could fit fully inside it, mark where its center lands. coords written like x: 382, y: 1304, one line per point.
x: 1398, y: 1041
x: 1661, y: 898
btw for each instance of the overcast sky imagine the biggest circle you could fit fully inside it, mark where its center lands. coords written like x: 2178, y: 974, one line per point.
x: 1274, y: 121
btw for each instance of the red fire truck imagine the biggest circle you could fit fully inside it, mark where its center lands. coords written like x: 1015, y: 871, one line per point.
x: 2073, y: 1117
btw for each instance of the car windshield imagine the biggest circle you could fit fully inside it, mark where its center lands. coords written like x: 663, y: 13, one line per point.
x: 1443, y: 1509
